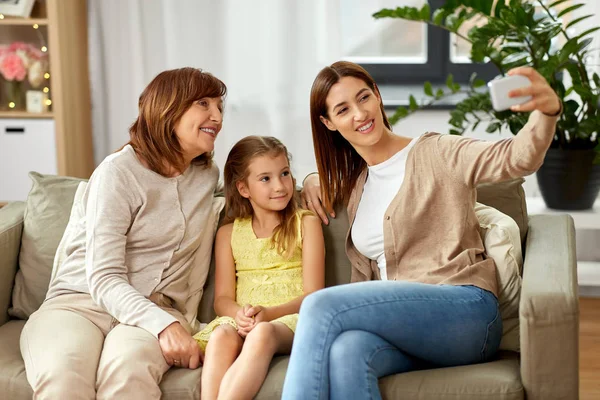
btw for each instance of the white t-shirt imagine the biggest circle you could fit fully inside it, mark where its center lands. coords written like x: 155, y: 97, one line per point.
x: 382, y: 185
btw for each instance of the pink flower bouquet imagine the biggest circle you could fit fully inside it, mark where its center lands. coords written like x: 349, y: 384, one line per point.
x: 18, y: 60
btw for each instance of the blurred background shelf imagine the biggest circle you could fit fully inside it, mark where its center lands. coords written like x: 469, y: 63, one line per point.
x: 59, y: 140
x: 25, y: 114
x: 23, y: 21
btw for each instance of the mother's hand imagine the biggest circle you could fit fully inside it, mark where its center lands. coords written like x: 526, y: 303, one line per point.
x: 311, y: 197
x: 179, y: 348
x: 544, y: 98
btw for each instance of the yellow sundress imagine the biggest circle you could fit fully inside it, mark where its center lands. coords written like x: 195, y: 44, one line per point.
x: 264, y: 277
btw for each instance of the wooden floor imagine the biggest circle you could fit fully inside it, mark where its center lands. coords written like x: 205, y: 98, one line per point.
x: 589, y: 348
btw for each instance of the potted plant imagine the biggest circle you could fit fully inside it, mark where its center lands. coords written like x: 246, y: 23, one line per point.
x: 515, y: 34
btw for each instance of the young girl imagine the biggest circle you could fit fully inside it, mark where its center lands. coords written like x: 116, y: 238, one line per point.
x: 267, y: 261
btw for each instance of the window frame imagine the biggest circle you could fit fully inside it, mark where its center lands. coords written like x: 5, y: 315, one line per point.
x: 438, y: 64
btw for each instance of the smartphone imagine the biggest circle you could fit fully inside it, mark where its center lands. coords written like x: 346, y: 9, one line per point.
x: 500, y: 87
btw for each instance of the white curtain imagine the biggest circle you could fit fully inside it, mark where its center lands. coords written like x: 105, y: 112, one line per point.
x: 267, y: 52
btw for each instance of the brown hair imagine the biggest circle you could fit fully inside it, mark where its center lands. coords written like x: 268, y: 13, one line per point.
x: 161, y: 105
x: 338, y: 163
x: 236, y: 206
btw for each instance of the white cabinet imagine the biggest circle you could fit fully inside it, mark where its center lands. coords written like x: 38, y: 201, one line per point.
x: 25, y: 145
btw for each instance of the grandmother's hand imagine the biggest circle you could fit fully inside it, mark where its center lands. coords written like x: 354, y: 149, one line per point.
x: 179, y: 347
x: 311, y: 197
x: 544, y: 98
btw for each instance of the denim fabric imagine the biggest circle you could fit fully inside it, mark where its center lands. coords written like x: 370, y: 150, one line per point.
x: 348, y: 336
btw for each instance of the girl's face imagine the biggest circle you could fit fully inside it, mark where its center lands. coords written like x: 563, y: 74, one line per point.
x: 353, y: 109
x: 198, y: 127
x: 269, y: 184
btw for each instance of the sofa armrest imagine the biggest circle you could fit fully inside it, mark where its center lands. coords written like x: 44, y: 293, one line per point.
x: 549, y: 310
x: 11, y: 227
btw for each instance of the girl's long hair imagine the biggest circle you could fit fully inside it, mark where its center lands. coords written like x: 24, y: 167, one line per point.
x: 339, y: 165
x: 161, y: 105
x: 241, y: 155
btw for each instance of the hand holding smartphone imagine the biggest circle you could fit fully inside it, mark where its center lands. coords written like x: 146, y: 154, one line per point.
x: 499, y: 89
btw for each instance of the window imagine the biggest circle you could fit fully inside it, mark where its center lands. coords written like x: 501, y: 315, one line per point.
x: 398, y: 52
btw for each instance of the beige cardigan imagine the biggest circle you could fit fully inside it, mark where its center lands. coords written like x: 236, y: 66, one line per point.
x: 431, y: 233
x: 139, y: 236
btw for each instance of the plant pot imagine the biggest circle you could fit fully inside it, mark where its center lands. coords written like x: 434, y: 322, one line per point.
x: 569, y: 180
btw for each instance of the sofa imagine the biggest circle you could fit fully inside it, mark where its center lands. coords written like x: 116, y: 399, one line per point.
x: 546, y: 367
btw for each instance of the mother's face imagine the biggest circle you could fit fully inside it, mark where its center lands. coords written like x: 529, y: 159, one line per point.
x: 198, y: 127
x: 353, y: 109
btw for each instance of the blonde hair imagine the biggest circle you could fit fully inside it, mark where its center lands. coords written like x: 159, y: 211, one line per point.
x: 161, y: 105
x: 241, y: 155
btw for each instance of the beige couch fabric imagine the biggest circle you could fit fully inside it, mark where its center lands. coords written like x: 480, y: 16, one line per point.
x: 502, y: 242
x: 46, y: 215
x: 548, y: 315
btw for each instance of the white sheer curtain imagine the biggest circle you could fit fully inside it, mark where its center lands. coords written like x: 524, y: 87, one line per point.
x: 267, y: 52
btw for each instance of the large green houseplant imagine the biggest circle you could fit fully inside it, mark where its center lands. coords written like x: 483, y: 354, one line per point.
x: 512, y: 34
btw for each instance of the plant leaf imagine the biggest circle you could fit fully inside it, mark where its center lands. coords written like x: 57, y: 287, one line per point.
x: 428, y: 89
x: 569, y: 9
x: 450, y: 81
x: 596, y: 79
x: 557, y: 3
x: 478, y: 83
x: 575, y: 21
x: 401, y: 112
x: 589, y: 31
x: 412, y: 103
x: 425, y: 12
x: 493, y: 127
x: 438, y: 16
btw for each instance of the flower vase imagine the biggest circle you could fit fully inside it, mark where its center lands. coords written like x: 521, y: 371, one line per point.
x: 15, y: 96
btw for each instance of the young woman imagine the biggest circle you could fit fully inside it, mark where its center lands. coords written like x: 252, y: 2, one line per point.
x: 427, y: 296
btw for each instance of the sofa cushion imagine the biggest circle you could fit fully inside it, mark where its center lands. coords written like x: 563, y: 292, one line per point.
x: 500, y: 235
x: 499, y: 379
x: 75, y: 218
x: 47, y: 212
x: 337, y: 266
x: 509, y: 198
x: 200, y: 268
x: 11, y: 229
x: 181, y: 383
x: 13, y: 381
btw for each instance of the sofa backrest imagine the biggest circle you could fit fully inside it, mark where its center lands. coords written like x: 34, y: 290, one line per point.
x: 58, y: 192
x: 507, y: 197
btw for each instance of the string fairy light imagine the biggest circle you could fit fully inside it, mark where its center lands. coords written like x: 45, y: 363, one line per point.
x: 44, y: 49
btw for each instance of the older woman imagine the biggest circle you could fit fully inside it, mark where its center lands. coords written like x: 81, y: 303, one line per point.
x: 112, y: 323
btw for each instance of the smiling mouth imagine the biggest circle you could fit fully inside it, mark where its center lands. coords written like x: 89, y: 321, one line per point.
x: 366, y: 126
x: 210, y: 131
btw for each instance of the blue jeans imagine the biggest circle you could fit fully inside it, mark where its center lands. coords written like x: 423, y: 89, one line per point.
x: 349, y: 336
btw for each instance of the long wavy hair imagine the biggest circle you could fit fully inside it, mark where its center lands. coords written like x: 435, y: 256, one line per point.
x: 236, y: 170
x: 161, y: 105
x: 339, y: 165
